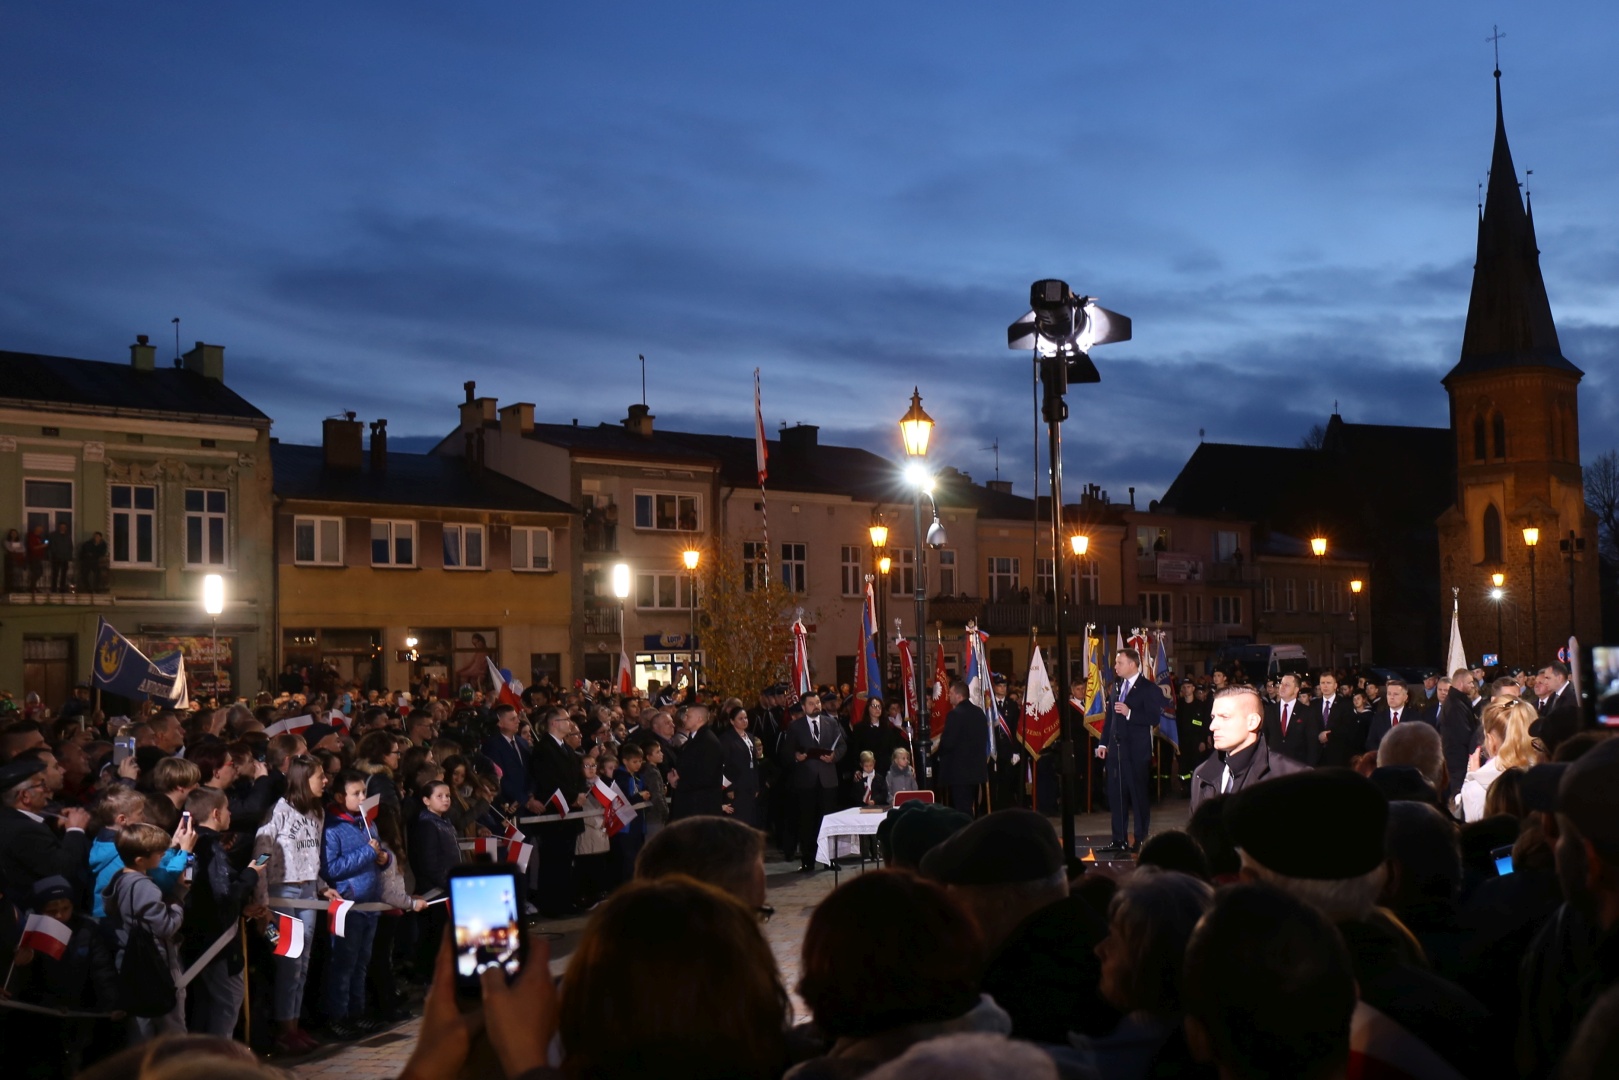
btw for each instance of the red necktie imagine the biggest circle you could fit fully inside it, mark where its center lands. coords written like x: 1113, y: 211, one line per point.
x: 1285, y: 709
x: 1395, y: 719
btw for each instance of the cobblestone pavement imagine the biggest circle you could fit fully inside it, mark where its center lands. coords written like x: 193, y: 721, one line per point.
x: 793, y: 896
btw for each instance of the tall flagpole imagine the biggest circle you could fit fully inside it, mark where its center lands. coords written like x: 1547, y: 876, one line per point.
x: 761, y: 458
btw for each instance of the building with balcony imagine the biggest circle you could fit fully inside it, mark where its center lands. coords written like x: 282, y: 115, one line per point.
x: 1323, y: 603
x: 398, y: 569
x: 169, y: 468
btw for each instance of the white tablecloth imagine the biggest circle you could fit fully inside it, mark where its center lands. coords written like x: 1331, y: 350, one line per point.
x: 850, y: 822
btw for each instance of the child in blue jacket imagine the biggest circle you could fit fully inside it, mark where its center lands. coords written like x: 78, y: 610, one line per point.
x: 351, y: 861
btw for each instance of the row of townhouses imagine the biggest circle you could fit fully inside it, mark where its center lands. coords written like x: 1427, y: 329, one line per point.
x: 350, y: 562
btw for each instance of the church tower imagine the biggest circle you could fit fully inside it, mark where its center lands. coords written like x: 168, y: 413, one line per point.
x: 1514, y: 415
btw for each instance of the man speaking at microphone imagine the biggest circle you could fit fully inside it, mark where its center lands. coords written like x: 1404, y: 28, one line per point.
x: 1127, y: 747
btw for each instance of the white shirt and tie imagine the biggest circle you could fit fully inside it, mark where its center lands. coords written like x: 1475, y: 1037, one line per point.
x: 1287, y: 715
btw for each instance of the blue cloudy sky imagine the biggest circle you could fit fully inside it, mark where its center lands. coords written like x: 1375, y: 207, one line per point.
x: 369, y: 203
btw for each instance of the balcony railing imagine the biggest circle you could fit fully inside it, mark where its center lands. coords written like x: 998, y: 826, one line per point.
x: 1205, y: 633
x: 71, y: 599
x: 601, y: 621
x: 1231, y: 573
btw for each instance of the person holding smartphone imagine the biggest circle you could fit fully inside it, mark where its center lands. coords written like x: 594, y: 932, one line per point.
x: 212, y: 906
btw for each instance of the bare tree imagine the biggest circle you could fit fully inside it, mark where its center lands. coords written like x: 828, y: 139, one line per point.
x: 1315, y: 438
x: 745, y: 624
x: 1602, y: 496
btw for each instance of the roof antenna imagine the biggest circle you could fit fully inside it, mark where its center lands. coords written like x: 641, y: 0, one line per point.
x: 1335, y: 406
x: 1199, y: 435
x: 995, y: 446
x: 643, y: 377
x: 176, y: 322
x: 1495, y: 39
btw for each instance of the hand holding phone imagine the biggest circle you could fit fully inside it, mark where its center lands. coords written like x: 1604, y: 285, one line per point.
x: 260, y: 860
x: 485, y: 922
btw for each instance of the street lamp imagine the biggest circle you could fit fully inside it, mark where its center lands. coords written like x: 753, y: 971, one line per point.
x: 915, y: 429
x: 879, y: 546
x: 621, y: 589
x: 1497, y: 593
x: 1571, y: 545
x: 692, y: 557
x: 1318, y: 545
x: 1080, y: 544
x: 1354, y: 613
x: 213, y: 602
x: 1531, y: 539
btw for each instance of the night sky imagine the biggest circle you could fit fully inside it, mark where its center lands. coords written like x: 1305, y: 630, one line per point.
x: 369, y: 203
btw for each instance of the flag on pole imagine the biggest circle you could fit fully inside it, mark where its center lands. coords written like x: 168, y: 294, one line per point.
x: 1168, y: 727
x: 292, y: 725
x: 939, y: 705
x: 626, y: 676
x: 868, y: 681
x: 1039, y: 708
x: 519, y: 852
x: 761, y: 452
x: 799, y: 686
x: 907, y: 677
x: 486, y: 845
x: 1455, y: 655
x: 616, y: 808
x: 507, y: 689
x: 1095, y: 690
x: 124, y: 669
x: 338, y: 911
x: 369, y: 807
x: 46, y: 935
x: 559, y: 802
x: 513, y: 832
x: 287, y: 936
x: 979, y: 690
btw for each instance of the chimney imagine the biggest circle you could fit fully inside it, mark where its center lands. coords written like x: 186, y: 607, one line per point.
x: 207, y: 361
x: 1002, y: 486
x: 142, y: 354
x: 1132, y: 498
x: 340, y: 437
x: 639, y: 422
x: 799, y: 441
x: 379, y: 447
x: 517, y: 419
x: 476, y: 411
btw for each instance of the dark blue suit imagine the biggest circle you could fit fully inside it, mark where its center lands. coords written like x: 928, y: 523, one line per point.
x: 513, y: 765
x: 1129, y: 755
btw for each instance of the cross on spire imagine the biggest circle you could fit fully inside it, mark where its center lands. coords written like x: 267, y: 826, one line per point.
x: 1495, y: 39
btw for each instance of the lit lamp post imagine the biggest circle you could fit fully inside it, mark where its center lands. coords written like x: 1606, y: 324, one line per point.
x: 692, y: 557
x: 1497, y: 593
x: 879, y: 545
x: 213, y: 602
x: 1318, y: 545
x: 1081, y: 544
x: 621, y: 589
x: 1531, y: 539
x: 1354, y: 615
x: 916, y: 428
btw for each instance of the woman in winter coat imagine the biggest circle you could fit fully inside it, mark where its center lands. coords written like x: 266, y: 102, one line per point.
x: 435, y: 849
x: 292, y: 838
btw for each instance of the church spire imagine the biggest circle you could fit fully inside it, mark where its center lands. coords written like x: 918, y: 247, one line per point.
x: 1509, y: 318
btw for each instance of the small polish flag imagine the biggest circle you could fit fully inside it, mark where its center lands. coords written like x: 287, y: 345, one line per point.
x: 339, y: 912
x: 290, y: 726
x: 44, y: 934
x: 369, y: 806
x: 517, y: 852
x: 559, y: 802
x: 513, y: 833
x: 487, y: 845
x: 287, y: 936
x: 616, y: 808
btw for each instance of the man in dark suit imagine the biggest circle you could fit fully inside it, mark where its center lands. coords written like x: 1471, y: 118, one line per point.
x: 554, y: 767
x: 1241, y: 757
x: 961, y: 761
x: 1459, y: 730
x: 1292, y: 728
x: 1127, y: 747
x: 1397, y: 710
x: 1340, y: 738
x: 1559, y: 708
x: 29, y: 848
x: 700, y: 766
x: 811, y: 748
x: 510, y: 753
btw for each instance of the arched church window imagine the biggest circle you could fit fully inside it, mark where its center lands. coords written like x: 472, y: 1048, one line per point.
x: 1492, y: 534
x: 1480, y: 447
x: 1500, y: 431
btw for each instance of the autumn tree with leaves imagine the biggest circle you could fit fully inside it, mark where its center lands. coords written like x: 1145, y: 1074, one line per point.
x: 745, y: 620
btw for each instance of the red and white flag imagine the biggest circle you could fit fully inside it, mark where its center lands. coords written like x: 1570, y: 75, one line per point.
x: 292, y: 725
x: 1040, y: 723
x: 761, y: 452
x: 45, y: 935
x: 487, y: 845
x: 288, y: 936
x: 626, y: 675
x: 513, y: 832
x: 559, y: 802
x: 339, y: 912
x: 799, y: 687
x: 907, y: 677
x: 939, y: 701
x: 508, y: 691
x: 615, y: 807
x: 369, y: 807
x: 519, y: 852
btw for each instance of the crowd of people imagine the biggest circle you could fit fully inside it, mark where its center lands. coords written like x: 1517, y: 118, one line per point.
x: 1423, y: 887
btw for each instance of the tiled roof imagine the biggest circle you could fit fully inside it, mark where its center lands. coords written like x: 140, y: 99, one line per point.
x: 408, y: 480
x: 34, y: 379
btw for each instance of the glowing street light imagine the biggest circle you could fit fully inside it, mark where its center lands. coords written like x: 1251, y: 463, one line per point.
x: 213, y: 602
x: 1531, y: 539
x: 916, y: 430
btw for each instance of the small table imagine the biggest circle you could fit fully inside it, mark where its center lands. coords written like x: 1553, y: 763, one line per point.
x: 850, y: 822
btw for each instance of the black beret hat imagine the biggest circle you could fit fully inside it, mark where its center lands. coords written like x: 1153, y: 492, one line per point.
x: 1324, y: 824
x: 1003, y: 848
x: 19, y: 771
x: 915, y: 828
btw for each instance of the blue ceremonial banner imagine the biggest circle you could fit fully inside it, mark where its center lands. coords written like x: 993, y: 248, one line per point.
x: 123, y: 669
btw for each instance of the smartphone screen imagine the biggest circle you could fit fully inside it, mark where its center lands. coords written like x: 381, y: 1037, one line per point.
x: 1604, y: 684
x: 1503, y: 860
x: 122, y: 750
x: 485, y: 913
x: 260, y: 860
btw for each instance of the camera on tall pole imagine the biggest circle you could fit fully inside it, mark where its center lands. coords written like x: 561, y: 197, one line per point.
x: 1060, y: 329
